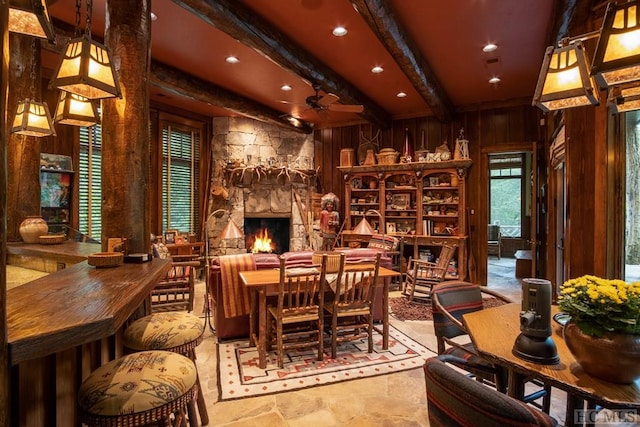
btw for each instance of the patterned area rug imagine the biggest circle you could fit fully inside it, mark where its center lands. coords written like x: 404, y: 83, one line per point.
x: 239, y: 375
x: 403, y: 309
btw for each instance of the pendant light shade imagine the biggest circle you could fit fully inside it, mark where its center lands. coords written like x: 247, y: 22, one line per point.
x: 617, y: 55
x: 86, y: 70
x: 33, y: 119
x: 31, y: 17
x: 624, y: 98
x: 564, y: 80
x: 76, y: 110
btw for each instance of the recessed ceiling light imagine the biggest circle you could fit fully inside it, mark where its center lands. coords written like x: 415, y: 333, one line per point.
x: 285, y: 87
x: 232, y: 60
x: 377, y: 69
x: 154, y: 17
x: 494, y: 80
x: 401, y: 95
x: 489, y: 47
x: 339, y: 31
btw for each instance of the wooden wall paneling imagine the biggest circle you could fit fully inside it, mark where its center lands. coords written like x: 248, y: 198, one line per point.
x: 581, y: 150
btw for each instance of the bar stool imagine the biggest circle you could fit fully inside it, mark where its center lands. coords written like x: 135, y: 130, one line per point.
x: 139, y: 389
x: 175, y: 331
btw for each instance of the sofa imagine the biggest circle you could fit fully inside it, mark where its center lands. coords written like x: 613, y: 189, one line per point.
x: 236, y: 327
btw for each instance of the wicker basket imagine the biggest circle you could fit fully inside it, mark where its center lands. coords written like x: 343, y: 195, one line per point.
x: 387, y: 156
x: 105, y: 259
x: 333, y: 260
x: 51, y: 239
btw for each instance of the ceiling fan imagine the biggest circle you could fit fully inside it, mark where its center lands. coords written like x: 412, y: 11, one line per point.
x: 328, y: 102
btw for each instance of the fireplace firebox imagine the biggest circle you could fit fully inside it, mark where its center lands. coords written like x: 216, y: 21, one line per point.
x: 278, y: 230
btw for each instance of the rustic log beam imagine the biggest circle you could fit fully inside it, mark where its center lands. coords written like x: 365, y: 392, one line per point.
x: 186, y: 85
x: 125, y: 127
x: 381, y: 18
x: 244, y: 25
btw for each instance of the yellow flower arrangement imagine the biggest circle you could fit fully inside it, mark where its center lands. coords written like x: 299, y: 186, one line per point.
x: 599, y: 305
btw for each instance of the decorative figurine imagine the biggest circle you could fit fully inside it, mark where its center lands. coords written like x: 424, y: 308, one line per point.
x: 329, y: 221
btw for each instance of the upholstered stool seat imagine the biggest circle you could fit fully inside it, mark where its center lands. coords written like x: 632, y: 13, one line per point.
x: 138, y: 389
x: 175, y: 331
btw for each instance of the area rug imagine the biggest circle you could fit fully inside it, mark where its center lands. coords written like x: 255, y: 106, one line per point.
x: 239, y: 375
x: 403, y: 309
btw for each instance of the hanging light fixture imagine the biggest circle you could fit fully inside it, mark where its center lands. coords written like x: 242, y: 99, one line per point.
x: 31, y: 17
x: 86, y: 68
x: 32, y: 117
x: 617, y: 55
x: 624, y: 98
x: 564, y: 79
x: 76, y: 110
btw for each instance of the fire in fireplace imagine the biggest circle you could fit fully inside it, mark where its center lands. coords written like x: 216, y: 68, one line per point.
x: 267, y: 234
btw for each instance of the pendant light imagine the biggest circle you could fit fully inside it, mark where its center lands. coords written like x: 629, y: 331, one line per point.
x: 86, y: 68
x: 564, y: 79
x: 31, y: 17
x: 76, y: 110
x: 617, y: 55
x: 624, y: 98
x: 32, y: 117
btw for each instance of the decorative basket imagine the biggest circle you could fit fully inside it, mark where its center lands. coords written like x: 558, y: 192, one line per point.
x: 105, y: 259
x: 387, y: 156
x: 333, y: 260
x: 51, y: 239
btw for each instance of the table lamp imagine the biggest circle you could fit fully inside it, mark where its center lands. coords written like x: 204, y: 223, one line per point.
x: 230, y: 231
x: 534, y: 344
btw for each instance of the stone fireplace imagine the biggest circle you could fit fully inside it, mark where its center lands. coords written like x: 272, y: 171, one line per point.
x: 261, y: 172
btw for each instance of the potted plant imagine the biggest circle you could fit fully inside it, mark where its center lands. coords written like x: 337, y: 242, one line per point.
x: 604, y: 331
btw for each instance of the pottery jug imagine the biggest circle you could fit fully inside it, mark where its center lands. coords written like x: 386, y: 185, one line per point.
x: 32, y: 228
x: 370, y: 159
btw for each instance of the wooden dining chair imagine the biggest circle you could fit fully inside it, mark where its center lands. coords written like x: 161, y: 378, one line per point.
x: 296, y: 321
x: 175, y: 291
x: 423, y: 275
x: 351, y: 305
x: 450, y: 301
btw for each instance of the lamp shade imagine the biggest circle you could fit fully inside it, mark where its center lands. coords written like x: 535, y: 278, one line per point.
x: 33, y: 119
x: 624, y: 98
x: 31, y: 17
x: 76, y: 110
x: 86, y: 70
x: 231, y: 231
x: 617, y: 55
x: 564, y: 80
x: 363, y: 227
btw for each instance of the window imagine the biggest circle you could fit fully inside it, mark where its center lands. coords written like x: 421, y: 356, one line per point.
x: 180, y: 177
x: 90, y: 179
x: 505, y: 191
x: 632, y: 199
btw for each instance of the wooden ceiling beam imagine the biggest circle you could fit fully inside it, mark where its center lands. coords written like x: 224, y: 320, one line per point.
x: 246, y: 26
x: 177, y: 81
x: 381, y: 18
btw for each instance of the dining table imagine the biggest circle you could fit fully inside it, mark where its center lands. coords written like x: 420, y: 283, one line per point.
x: 263, y: 283
x: 493, y: 332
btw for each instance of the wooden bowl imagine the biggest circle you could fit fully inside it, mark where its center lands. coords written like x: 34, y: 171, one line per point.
x: 105, y: 259
x: 51, y: 239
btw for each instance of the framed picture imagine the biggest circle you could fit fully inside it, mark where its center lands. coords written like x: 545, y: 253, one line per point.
x: 434, y: 181
x: 391, y: 227
x: 169, y: 237
x: 401, y: 201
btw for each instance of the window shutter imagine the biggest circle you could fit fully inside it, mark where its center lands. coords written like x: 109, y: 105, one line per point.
x: 90, y: 191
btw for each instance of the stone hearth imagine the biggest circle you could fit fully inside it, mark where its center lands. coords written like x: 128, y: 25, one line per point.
x: 267, y: 188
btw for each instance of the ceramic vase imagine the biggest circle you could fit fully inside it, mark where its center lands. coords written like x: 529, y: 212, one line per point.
x: 614, y: 357
x: 32, y: 228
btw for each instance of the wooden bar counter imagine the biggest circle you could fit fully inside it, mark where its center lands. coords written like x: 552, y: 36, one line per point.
x: 63, y: 326
x: 49, y: 258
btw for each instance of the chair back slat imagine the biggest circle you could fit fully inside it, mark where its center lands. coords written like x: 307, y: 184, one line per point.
x: 301, y: 291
